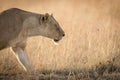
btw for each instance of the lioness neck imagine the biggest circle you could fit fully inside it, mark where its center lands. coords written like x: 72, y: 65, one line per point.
x: 32, y: 25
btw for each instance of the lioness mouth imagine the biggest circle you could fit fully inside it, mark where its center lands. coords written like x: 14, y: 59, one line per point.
x: 56, y: 41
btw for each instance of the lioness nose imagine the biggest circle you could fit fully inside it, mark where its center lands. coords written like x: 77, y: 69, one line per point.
x: 64, y: 34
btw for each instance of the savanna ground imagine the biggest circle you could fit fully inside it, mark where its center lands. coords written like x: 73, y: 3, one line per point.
x: 89, y: 51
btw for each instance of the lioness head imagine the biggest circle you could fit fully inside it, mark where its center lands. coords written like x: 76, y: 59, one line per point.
x: 51, y: 28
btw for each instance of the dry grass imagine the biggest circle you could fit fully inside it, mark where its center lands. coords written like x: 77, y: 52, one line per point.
x: 92, y: 30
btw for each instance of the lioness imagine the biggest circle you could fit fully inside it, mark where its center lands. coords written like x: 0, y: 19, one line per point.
x: 17, y: 25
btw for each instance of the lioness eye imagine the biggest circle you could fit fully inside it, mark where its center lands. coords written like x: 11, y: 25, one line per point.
x: 55, y: 25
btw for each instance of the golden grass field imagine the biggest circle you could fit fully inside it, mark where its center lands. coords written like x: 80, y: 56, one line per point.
x: 92, y: 38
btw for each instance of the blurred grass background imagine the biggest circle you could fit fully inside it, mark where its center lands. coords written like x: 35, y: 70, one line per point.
x: 92, y: 30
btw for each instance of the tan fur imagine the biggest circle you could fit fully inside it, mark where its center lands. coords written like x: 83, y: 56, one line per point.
x: 17, y: 25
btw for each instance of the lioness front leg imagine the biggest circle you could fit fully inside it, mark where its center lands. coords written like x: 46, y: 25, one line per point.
x: 23, y: 59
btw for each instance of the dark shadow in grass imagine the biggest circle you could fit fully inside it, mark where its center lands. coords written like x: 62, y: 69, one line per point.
x: 107, y: 71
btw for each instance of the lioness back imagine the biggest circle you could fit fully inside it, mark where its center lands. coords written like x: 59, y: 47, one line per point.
x: 11, y: 22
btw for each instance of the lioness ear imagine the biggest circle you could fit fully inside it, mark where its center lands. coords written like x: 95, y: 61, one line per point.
x: 52, y: 14
x: 47, y: 15
x: 44, y: 18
